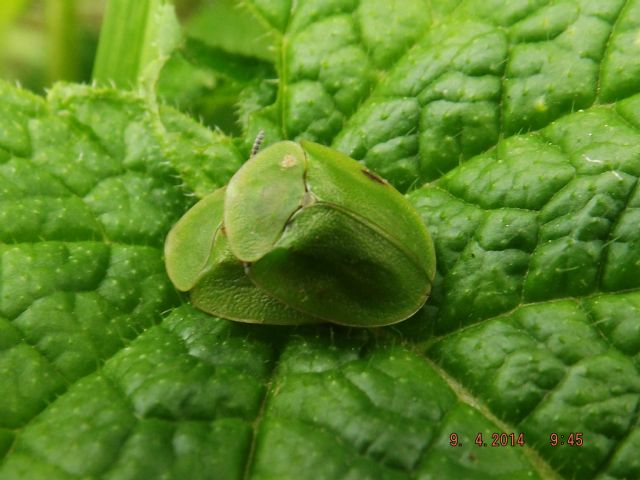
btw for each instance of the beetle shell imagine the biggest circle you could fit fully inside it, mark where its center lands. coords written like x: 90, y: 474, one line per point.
x: 303, y: 234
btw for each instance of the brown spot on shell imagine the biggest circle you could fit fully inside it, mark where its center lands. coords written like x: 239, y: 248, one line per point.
x: 288, y: 161
x: 373, y: 176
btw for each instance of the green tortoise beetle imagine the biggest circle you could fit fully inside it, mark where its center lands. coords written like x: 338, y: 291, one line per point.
x: 303, y: 234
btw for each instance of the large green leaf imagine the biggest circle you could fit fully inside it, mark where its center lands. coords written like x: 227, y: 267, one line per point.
x: 533, y: 326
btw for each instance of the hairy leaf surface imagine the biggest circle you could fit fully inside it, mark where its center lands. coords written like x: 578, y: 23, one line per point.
x: 523, y: 116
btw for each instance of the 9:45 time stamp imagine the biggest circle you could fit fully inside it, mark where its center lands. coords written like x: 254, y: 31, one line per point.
x: 517, y: 440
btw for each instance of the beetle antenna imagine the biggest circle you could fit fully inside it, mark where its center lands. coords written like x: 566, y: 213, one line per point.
x: 257, y: 143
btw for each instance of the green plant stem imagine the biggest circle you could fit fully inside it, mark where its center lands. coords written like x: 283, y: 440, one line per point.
x: 122, y: 41
x: 63, y: 40
x: 135, y: 35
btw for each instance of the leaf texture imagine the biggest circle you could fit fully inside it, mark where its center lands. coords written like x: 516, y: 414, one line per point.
x: 523, y: 117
